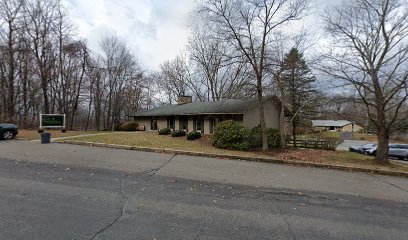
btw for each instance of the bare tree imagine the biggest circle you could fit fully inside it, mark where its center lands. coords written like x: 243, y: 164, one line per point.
x: 10, y: 23
x: 224, y: 75
x: 40, y: 23
x: 371, y: 54
x: 175, y: 79
x: 121, y: 69
x: 249, y: 25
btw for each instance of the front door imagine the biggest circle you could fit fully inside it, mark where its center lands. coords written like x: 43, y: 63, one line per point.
x: 171, y: 123
x: 153, y: 124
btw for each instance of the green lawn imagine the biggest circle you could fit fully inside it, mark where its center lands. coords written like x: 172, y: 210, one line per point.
x: 153, y: 140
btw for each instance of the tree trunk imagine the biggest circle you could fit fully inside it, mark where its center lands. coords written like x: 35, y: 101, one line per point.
x: 262, y: 118
x: 282, y: 129
x: 294, y: 133
x: 383, y: 137
x: 45, y: 96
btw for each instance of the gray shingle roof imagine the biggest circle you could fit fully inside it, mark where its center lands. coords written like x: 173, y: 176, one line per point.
x: 231, y: 106
x: 330, y: 123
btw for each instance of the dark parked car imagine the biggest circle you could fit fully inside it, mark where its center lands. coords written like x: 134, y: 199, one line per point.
x: 399, y: 151
x: 8, y: 131
x: 362, y: 148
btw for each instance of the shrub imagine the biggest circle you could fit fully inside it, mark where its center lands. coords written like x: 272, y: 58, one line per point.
x: 178, y: 133
x: 193, y: 135
x: 255, y: 137
x: 164, y: 131
x: 231, y: 135
x: 117, y: 126
x: 332, y: 142
x: 332, y: 138
x: 274, y: 138
x: 129, y: 126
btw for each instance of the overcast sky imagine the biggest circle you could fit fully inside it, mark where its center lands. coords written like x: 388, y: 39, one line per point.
x: 156, y: 30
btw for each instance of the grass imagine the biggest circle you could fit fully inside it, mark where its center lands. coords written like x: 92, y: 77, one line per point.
x: 203, y: 145
x: 326, y: 134
x: 29, y: 134
x: 153, y: 140
x: 365, y: 137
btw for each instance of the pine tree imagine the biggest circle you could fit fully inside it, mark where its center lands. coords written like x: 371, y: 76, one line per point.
x: 299, y: 86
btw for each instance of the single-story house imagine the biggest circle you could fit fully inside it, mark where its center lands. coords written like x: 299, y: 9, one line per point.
x: 337, y: 125
x: 204, y: 116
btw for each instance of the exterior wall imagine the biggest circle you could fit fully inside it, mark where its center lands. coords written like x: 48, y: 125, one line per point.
x: 143, y: 122
x: 190, y: 123
x: 346, y: 128
x: 349, y: 128
x: 177, y: 123
x: 206, y: 126
x: 319, y: 128
x: 251, y: 117
x: 161, y: 122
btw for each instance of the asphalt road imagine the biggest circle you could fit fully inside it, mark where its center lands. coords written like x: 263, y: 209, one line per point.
x: 70, y: 192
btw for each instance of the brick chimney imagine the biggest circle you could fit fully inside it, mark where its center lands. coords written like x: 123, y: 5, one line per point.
x: 184, y: 99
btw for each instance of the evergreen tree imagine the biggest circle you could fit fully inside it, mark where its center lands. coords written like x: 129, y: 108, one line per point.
x: 299, y: 86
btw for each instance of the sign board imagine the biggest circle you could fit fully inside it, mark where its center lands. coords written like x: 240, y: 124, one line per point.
x: 52, y: 121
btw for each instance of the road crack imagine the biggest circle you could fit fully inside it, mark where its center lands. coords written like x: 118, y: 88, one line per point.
x: 155, y: 170
x: 198, y: 234
x: 390, y: 183
x: 121, y: 212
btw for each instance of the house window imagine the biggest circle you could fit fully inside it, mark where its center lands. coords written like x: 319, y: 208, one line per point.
x: 171, y: 122
x: 198, y: 124
x: 184, y: 123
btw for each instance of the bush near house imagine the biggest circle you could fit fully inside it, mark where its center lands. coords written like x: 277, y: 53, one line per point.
x: 231, y: 135
x: 164, y: 131
x: 178, y: 133
x: 117, y: 127
x: 129, y: 127
x: 255, y: 137
x: 193, y: 135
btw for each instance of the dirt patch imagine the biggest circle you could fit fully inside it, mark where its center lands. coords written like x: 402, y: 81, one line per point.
x: 308, y: 155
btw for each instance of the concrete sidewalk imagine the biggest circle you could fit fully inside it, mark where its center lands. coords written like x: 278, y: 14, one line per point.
x: 265, y: 175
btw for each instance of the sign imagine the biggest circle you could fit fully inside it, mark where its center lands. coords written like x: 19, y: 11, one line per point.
x: 52, y: 121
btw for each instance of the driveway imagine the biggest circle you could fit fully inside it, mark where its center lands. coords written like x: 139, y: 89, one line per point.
x: 351, y: 143
x: 59, y: 191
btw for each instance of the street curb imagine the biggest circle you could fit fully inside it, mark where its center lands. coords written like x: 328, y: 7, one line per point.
x: 234, y: 157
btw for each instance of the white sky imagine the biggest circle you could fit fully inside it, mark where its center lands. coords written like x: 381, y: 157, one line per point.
x: 155, y: 30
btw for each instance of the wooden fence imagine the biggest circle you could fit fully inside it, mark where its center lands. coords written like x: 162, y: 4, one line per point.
x: 310, y: 143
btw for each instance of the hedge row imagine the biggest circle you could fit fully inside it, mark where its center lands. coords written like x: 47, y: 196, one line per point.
x: 127, y: 127
x: 180, y: 133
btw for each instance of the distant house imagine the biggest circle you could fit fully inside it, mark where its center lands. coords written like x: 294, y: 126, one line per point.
x: 337, y: 125
x: 204, y: 116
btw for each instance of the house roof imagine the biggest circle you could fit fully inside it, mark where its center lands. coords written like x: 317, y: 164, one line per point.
x: 330, y: 123
x: 231, y: 106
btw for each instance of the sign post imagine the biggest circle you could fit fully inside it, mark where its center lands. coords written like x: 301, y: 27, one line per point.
x: 56, y: 121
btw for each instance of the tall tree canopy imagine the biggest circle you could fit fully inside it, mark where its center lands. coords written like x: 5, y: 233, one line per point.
x: 299, y: 84
x: 370, y: 53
